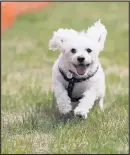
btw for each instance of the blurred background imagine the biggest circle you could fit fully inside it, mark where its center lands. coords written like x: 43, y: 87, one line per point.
x: 28, y: 121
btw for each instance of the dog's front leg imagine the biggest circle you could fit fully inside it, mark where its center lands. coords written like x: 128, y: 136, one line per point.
x: 85, y: 104
x: 62, y: 99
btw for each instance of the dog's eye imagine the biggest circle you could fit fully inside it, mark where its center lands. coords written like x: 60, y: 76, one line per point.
x: 88, y: 50
x: 73, y: 50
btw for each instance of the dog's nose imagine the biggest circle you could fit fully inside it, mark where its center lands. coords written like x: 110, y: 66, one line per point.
x: 80, y: 59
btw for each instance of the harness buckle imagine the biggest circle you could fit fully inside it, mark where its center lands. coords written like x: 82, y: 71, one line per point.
x: 69, y: 75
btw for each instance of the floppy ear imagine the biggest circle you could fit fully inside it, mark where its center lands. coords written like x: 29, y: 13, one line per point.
x: 98, y: 32
x: 59, y: 39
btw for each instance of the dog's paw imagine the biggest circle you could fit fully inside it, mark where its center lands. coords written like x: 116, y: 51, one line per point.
x: 64, y: 109
x: 81, y: 113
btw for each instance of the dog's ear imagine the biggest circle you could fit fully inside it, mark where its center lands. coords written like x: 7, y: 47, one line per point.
x: 60, y: 38
x: 98, y: 32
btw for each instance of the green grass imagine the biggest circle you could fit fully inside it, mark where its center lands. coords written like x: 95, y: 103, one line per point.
x: 29, y: 121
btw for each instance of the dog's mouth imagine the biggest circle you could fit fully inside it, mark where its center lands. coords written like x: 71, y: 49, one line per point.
x: 81, y: 69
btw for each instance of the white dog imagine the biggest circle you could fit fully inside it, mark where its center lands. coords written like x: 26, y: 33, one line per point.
x: 77, y: 74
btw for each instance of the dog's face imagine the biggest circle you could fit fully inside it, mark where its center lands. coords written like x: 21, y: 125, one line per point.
x: 80, y: 49
x: 80, y: 53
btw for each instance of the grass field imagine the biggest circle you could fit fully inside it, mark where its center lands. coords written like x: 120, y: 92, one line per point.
x: 29, y: 122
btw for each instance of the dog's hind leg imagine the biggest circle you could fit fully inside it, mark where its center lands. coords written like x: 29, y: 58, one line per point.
x: 101, y: 104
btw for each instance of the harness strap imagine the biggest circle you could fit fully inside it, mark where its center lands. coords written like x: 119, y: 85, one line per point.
x: 72, y: 82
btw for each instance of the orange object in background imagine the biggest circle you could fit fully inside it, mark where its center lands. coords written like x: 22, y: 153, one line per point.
x: 10, y: 10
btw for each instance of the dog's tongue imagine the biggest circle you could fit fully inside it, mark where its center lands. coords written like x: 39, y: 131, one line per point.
x: 81, y: 70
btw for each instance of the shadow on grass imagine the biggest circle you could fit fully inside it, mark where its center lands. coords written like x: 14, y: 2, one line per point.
x: 41, y: 115
x: 44, y: 116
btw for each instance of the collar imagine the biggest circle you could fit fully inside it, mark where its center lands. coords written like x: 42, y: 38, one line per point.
x: 74, y: 80
x: 77, y: 79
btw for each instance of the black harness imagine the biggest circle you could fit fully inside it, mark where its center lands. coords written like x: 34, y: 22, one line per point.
x: 72, y: 82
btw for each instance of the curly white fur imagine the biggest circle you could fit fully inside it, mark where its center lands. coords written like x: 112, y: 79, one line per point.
x: 92, y: 89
